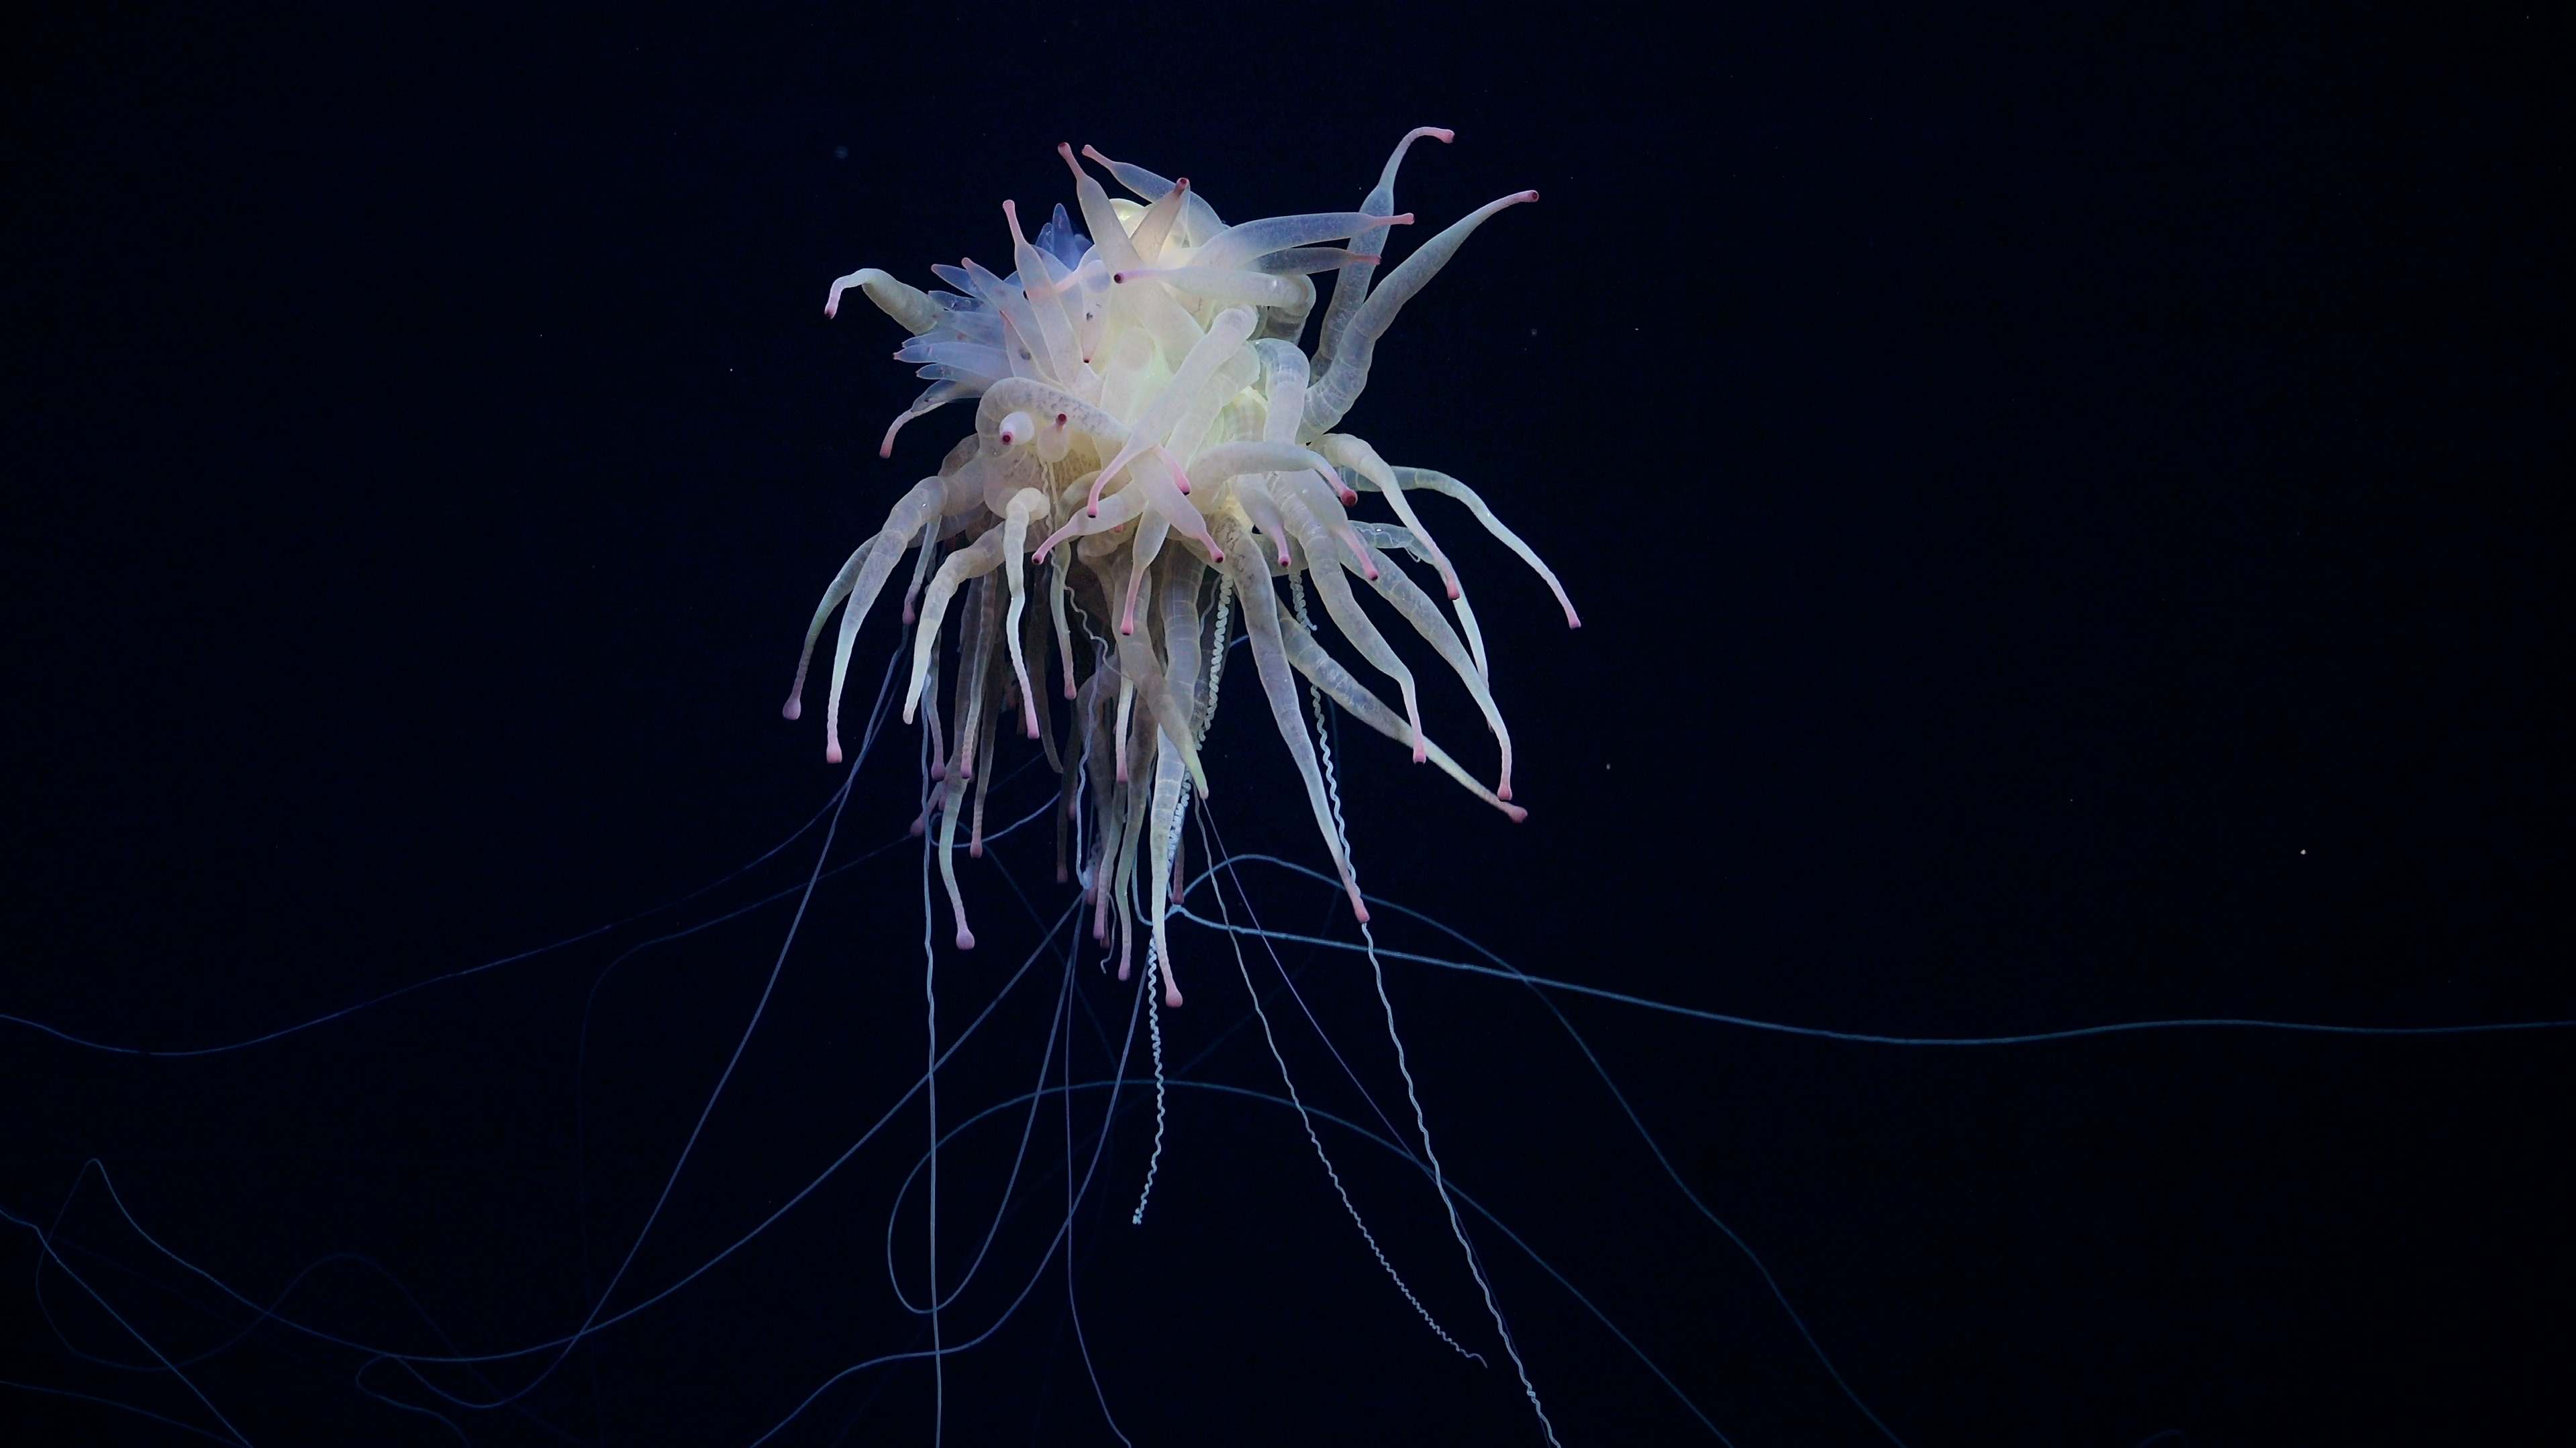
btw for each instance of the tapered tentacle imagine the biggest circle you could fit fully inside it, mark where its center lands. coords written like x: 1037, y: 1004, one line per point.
x: 1270, y: 662
x: 1340, y: 387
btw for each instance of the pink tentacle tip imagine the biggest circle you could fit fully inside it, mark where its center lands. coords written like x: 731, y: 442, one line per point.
x: 1515, y: 813
x: 795, y: 709
x: 965, y: 938
x: 1171, y: 995
x: 974, y: 849
x: 832, y: 752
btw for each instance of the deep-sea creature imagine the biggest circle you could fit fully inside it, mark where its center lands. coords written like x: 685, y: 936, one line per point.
x: 1152, y: 450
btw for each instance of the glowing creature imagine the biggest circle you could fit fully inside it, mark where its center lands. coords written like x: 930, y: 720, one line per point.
x: 1151, y: 446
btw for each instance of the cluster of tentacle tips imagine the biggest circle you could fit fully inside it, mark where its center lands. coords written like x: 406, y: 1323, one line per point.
x: 1156, y: 451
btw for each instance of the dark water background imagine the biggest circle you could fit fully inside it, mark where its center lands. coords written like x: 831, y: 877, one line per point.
x: 2060, y: 512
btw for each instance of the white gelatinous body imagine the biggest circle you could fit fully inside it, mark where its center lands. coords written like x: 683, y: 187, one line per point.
x: 1152, y: 450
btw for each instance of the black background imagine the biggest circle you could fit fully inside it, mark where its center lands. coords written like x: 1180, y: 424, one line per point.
x: 2061, y: 513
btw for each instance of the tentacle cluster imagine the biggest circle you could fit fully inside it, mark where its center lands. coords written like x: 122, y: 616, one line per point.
x: 1155, y: 452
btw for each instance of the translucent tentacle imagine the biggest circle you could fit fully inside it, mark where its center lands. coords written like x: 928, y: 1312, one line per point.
x: 1270, y: 664
x: 1311, y: 660
x: 973, y: 561
x: 1361, y: 458
x: 1240, y: 245
x: 1341, y: 386
x: 1345, y: 610
x: 1202, y: 218
x: 1015, y: 536
x: 832, y: 596
x: 1352, y: 288
x: 1424, y: 615
x: 907, y: 304
x: 1394, y: 535
x: 1429, y: 481
x: 918, y: 509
